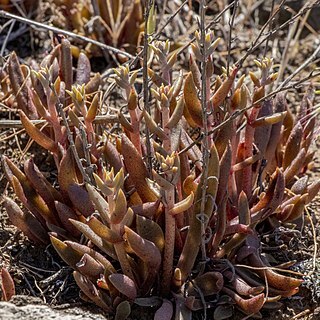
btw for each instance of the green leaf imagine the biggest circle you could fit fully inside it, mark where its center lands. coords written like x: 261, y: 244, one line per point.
x: 151, y: 24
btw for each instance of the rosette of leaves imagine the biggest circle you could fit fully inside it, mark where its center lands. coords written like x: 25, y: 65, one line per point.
x: 122, y: 21
x: 42, y: 92
x: 72, y: 15
x: 117, y: 22
x: 149, y: 240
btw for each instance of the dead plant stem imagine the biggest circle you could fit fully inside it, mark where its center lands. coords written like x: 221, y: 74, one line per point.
x: 256, y: 43
x: 4, y: 44
x: 96, y: 11
x: 73, y: 35
x: 86, y: 149
x: 311, y: 58
x: 205, y: 145
x: 270, y: 27
x: 100, y: 119
x: 145, y: 82
x: 231, y: 22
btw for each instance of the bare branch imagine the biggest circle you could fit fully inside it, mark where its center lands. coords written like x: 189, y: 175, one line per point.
x: 102, y: 119
x: 231, y: 22
x: 145, y: 82
x: 40, y: 25
x: 205, y: 146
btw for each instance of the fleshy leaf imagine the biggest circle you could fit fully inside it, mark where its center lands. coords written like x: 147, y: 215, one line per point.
x: 37, y: 135
x: 7, y: 285
x: 124, y: 285
x: 136, y: 169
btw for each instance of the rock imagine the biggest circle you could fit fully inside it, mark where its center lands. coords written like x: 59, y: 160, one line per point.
x: 27, y: 308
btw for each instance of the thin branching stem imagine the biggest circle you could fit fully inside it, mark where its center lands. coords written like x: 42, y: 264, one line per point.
x: 86, y: 149
x: 156, y: 36
x: 159, y: 32
x: 239, y: 113
x: 96, y: 11
x: 270, y: 27
x: 311, y: 58
x: 231, y: 23
x: 100, y: 119
x: 145, y: 82
x: 73, y: 35
x: 5, y: 42
x: 256, y: 43
x: 205, y: 147
x: 261, y: 39
x: 212, y: 23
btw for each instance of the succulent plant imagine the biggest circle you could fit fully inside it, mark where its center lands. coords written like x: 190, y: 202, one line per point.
x: 117, y: 22
x: 149, y: 237
x: 7, y: 285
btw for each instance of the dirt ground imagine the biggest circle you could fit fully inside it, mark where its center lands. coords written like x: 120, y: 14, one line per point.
x: 41, y: 277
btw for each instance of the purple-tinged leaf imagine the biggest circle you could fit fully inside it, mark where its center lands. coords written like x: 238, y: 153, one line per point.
x: 124, y: 284
x: 7, y: 285
x: 165, y: 312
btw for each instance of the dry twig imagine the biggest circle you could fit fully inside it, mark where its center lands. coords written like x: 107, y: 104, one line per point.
x: 73, y: 35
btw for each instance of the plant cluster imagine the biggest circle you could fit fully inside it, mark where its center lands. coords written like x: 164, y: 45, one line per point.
x: 117, y: 22
x: 164, y: 228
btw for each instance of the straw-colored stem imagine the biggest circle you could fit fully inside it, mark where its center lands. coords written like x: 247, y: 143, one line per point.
x: 169, y: 242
